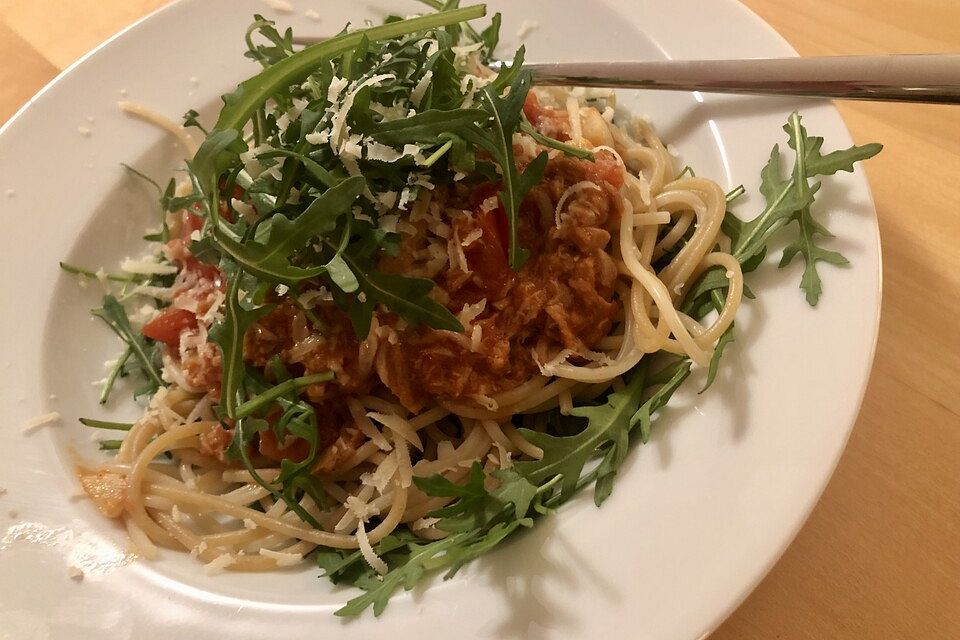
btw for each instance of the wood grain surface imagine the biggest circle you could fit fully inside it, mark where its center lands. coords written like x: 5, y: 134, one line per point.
x: 880, y: 556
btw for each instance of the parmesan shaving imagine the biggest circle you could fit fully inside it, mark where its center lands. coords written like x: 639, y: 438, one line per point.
x: 219, y: 564
x: 547, y: 368
x: 246, y: 211
x: 367, y: 551
x: 398, y: 426
x: 457, y: 257
x: 160, y: 293
x: 476, y: 337
x: 471, y: 237
x: 280, y: 6
x: 147, y: 267
x: 424, y: 523
x: 571, y: 191
x: 526, y: 28
x: 381, y: 477
x: 416, y: 96
x: 282, y: 558
x: 470, y: 312
x: 486, y: 402
x: 367, y: 427
x: 40, y: 421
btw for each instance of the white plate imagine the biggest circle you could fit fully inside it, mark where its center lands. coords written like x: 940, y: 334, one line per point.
x: 698, y: 516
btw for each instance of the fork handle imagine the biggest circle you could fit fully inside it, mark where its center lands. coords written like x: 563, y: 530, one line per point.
x: 931, y: 78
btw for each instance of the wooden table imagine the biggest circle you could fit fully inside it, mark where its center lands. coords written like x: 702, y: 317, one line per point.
x: 880, y: 556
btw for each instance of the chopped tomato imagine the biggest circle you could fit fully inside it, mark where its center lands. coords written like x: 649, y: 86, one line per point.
x: 297, y: 450
x: 168, y: 326
x: 487, y: 255
x: 548, y: 121
x: 207, y: 272
x: 501, y: 228
x: 191, y: 222
x: 604, y: 168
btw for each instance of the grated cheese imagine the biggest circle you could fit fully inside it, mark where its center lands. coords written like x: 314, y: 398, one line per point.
x: 457, y: 256
x: 246, y: 211
x: 381, y: 476
x: 489, y: 204
x: 476, y: 337
x: 280, y: 6
x: 249, y: 524
x: 282, y: 558
x: 572, y: 190
x: 526, y: 28
x: 472, y: 237
x: 469, y: 312
x: 309, y: 299
x: 367, y: 551
x: 388, y: 223
x: 486, y: 402
x: 147, y: 267
x: 424, y: 523
x: 40, y: 421
x: 219, y: 564
x: 366, y: 426
x: 318, y: 137
x: 75, y: 573
x: 416, y: 96
x: 382, y: 153
x: 398, y: 426
x: 339, y: 129
x: 548, y: 368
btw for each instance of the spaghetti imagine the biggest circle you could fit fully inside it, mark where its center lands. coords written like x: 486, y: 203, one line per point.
x: 223, y: 515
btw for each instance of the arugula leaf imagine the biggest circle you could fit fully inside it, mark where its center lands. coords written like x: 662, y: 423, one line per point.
x: 789, y: 200
x: 575, y: 152
x: 491, y: 35
x: 263, y: 399
x: 268, y: 255
x: 243, y: 433
x: 783, y: 200
x: 607, y: 426
x: 103, y: 424
x: 427, y: 126
x: 113, y: 314
x: 505, y: 115
x: 240, y: 105
x: 407, y: 297
x: 89, y: 273
x: 809, y: 163
x: 228, y: 334
x: 378, y: 593
x: 669, y: 378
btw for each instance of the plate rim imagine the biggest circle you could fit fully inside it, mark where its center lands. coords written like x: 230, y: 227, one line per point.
x: 868, y: 201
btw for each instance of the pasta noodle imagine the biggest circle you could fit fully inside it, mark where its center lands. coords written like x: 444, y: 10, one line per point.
x: 224, y: 517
